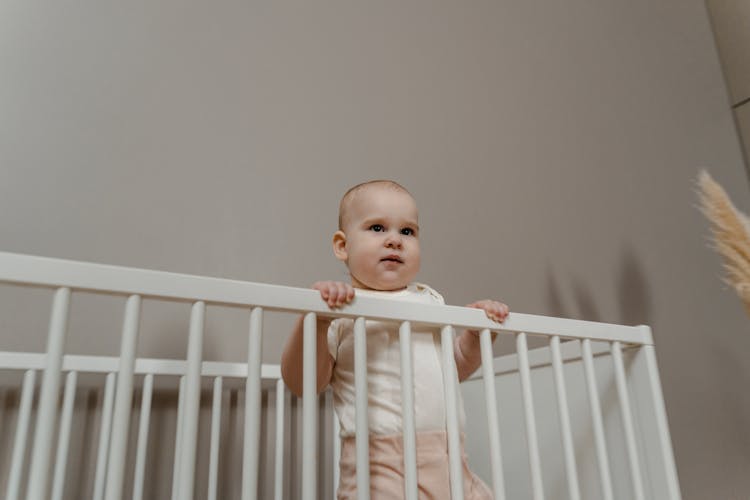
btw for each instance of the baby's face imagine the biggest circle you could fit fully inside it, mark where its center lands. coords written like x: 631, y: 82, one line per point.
x: 381, y: 239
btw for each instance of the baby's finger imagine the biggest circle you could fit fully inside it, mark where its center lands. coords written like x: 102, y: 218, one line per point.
x: 505, y: 310
x: 328, y: 293
x: 333, y: 295
x: 348, y: 293
x: 502, y: 311
x: 340, y: 294
x: 497, y: 312
x: 322, y: 287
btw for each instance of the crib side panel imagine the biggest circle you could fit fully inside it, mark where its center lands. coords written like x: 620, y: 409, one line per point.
x: 86, y: 422
x: 513, y: 442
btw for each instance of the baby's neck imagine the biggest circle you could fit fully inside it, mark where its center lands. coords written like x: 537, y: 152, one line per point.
x: 369, y: 289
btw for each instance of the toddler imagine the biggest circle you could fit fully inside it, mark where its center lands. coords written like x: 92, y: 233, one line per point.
x: 378, y: 240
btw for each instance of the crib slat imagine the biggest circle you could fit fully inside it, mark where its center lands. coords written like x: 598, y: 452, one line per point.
x: 562, y: 408
x: 326, y: 403
x: 124, y: 399
x: 192, y: 400
x: 143, y: 425
x: 451, y: 412
x: 627, y: 420
x: 528, y: 406
x: 309, y: 408
x: 656, y: 398
x: 252, y: 407
x: 407, y: 412
x: 596, y: 418
x: 488, y: 373
x: 22, y: 428
x: 278, y: 479
x: 176, y: 469
x: 45, y: 421
x: 336, y: 453
x: 104, y: 434
x: 63, y: 439
x: 360, y: 410
x: 213, y: 465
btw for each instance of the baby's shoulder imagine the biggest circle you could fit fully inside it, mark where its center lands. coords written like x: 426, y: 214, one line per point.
x: 424, y: 289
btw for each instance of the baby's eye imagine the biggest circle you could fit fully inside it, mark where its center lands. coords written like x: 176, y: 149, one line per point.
x: 377, y: 228
x: 407, y: 231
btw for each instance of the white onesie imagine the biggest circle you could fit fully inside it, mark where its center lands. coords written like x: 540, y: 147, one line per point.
x: 384, y: 370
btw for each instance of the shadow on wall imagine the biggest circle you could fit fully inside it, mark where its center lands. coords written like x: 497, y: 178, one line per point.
x: 633, y: 295
x: 633, y: 291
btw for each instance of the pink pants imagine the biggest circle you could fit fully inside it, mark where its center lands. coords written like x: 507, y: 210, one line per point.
x: 387, y: 469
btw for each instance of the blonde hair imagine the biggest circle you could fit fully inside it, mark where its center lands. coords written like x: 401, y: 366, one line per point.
x: 349, y: 195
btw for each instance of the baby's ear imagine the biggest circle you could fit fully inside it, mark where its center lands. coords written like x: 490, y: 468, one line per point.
x: 339, y: 246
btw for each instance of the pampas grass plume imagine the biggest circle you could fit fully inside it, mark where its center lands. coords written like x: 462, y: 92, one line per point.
x: 730, y: 231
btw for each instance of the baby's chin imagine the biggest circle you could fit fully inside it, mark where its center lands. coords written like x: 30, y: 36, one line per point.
x: 384, y: 285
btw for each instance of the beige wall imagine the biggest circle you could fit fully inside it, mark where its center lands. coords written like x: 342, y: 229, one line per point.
x: 552, y: 149
x: 731, y: 26
x: 731, y: 23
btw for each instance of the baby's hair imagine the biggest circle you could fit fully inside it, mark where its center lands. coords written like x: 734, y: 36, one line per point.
x: 346, y: 199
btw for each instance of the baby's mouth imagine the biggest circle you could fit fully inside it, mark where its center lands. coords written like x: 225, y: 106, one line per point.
x: 392, y: 258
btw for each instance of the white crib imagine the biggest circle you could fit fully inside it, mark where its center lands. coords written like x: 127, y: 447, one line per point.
x: 574, y: 419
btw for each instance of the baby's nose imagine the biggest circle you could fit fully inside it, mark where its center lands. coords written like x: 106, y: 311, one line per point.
x: 393, y: 241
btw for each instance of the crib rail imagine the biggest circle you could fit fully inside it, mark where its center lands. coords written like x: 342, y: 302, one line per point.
x: 84, y: 276
x: 67, y: 277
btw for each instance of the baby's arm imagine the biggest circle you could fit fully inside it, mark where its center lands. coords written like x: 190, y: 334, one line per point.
x: 466, y: 348
x: 335, y: 294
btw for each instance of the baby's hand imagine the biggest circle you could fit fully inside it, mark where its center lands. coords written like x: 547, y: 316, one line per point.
x: 334, y: 293
x: 496, y: 311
